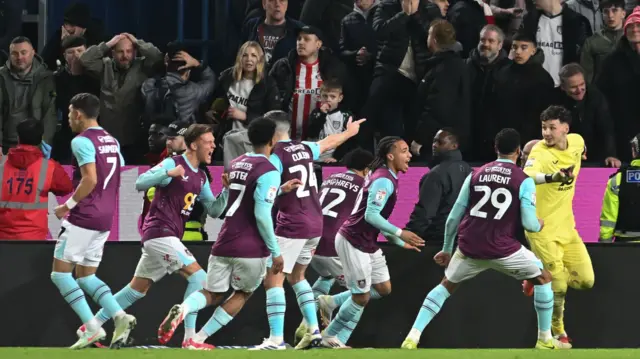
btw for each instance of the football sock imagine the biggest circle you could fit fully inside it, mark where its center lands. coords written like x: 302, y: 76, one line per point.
x: 219, y: 319
x: 322, y: 286
x: 430, y: 308
x: 307, y: 304
x: 557, y: 319
x: 346, y: 321
x: 543, y: 303
x: 73, y: 294
x: 125, y: 298
x: 340, y: 298
x: 101, y: 294
x: 195, y: 282
x: 276, y: 307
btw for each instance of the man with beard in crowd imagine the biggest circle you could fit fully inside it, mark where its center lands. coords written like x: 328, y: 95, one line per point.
x: 483, y: 64
x: 603, y: 42
x: 121, y: 75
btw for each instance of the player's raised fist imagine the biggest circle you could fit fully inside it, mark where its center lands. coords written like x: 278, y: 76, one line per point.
x: 442, y: 258
x: 178, y: 171
x: 411, y: 239
x: 290, y: 185
x: 277, y: 264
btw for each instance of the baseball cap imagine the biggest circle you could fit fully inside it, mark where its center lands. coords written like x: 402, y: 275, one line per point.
x: 177, y: 128
x: 311, y: 30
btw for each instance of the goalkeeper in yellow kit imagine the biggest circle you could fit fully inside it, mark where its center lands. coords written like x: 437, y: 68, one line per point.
x: 554, y: 164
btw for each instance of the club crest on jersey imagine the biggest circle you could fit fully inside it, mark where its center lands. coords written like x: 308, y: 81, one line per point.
x: 529, y: 163
x: 380, y: 196
x: 362, y: 283
x: 271, y: 194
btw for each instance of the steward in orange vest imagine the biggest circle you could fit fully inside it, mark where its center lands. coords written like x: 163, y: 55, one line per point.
x: 27, y: 177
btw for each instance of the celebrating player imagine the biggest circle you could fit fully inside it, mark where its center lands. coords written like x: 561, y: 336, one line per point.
x: 495, y: 202
x: 239, y: 256
x: 362, y: 260
x: 298, y: 226
x: 179, y: 183
x: 338, y: 193
x: 96, y: 175
x: 554, y: 164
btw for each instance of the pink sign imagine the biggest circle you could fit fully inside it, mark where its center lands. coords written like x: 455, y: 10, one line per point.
x: 586, y: 204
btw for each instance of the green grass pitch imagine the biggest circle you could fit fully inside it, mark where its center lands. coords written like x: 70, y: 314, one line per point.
x: 46, y: 353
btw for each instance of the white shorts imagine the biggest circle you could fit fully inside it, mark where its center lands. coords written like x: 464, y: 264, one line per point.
x: 81, y: 246
x: 361, y: 269
x: 521, y: 265
x: 162, y: 256
x: 295, y: 251
x: 243, y: 274
x: 329, y: 267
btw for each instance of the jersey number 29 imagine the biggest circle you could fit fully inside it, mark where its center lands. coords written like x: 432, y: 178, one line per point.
x: 501, y: 204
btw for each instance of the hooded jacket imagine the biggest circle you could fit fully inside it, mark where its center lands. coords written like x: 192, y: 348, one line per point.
x: 32, y: 95
x: 29, y: 224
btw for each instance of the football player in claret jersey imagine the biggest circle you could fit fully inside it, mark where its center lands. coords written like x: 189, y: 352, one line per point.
x: 495, y: 202
x: 338, y: 194
x: 89, y: 215
x: 179, y: 184
x: 365, y: 268
x: 298, y: 227
x: 247, y: 238
x: 554, y: 164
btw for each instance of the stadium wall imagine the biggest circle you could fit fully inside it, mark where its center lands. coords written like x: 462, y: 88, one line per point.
x: 489, y: 311
x: 587, y: 202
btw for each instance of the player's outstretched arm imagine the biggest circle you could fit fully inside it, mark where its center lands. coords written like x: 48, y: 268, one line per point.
x: 333, y: 141
x: 534, y: 168
x: 528, y: 206
x: 213, y: 205
x: 455, y: 216
x: 156, y: 176
x: 264, y: 196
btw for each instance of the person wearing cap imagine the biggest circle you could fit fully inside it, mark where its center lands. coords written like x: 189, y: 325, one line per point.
x: 77, y: 22
x: 300, y: 75
x: 619, y: 81
x: 603, y: 42
x: 621, y: 202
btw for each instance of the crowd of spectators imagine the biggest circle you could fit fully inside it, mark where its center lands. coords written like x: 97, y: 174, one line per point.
x: 410, y: 67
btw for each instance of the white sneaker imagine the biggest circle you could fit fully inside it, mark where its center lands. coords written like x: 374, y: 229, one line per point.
x: 123, y: 327
x: 326, y: 308
x: 87, y: 338
x: 333, y: 343
x: 269, y: 345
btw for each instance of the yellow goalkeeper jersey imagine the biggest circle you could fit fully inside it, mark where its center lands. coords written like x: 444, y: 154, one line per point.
x: 555, y: 200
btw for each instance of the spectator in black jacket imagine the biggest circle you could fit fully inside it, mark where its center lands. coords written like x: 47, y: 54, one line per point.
x: 77, y: 21
x: 401, y: 28
x: 358, y: 48
x: 326, y: 15
x: 299, y: 77
x: 483, y: 64
x: 522, y: 90
x: 559, y: 32
x: 439, y: 188
x: 443, y: 96
x: 590, y: 115
x: 618, y: 81
x: 70, y: 81
x: 275, y: 32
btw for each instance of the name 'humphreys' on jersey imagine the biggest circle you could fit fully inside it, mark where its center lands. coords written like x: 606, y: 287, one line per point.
x: 111, y: 146
x: 496, y: 174
x: 344, y: 180
x: 304, y: 155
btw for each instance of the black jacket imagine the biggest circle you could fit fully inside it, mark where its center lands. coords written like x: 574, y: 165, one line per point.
x: 284, y: 73
x: 467, y: 18
x: 619, y: 81
x: 394, y: 29
x: 251, y: 32
x: 52, y: 50
x: 592, y: 120
x: 443, y: 97
x: 439, y: 189
x: 575, y: 31
x: 327, y: 16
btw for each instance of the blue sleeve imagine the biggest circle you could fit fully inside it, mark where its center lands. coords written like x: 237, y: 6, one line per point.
x: 214, y: 206
x: 83, y: 150
x: 528, y: 205
x: 275, y: 160
x: 379, y: 193
x: 455, y: 216
x: 120, y: 154
x: 156, y: 176
x: 315, y: 149
x: 265, y: 194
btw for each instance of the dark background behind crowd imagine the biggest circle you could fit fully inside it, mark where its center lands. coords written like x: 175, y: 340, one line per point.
x: 411, y: 67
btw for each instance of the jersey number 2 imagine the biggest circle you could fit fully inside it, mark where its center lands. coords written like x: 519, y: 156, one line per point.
x: 501, y: 206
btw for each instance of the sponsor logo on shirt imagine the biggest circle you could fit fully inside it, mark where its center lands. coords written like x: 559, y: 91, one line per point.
x: 271, y: 194
x: 529, y: 163
x: 533, y: 198
x: 380, y: 196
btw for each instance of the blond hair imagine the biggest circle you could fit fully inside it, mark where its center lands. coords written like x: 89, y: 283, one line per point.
x: 237, y: 67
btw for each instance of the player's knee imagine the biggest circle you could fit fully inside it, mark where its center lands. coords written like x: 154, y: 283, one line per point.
x: 384, y: 289
x: 582, y: 283
x: 199, y: 276
x: 361, y: 299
